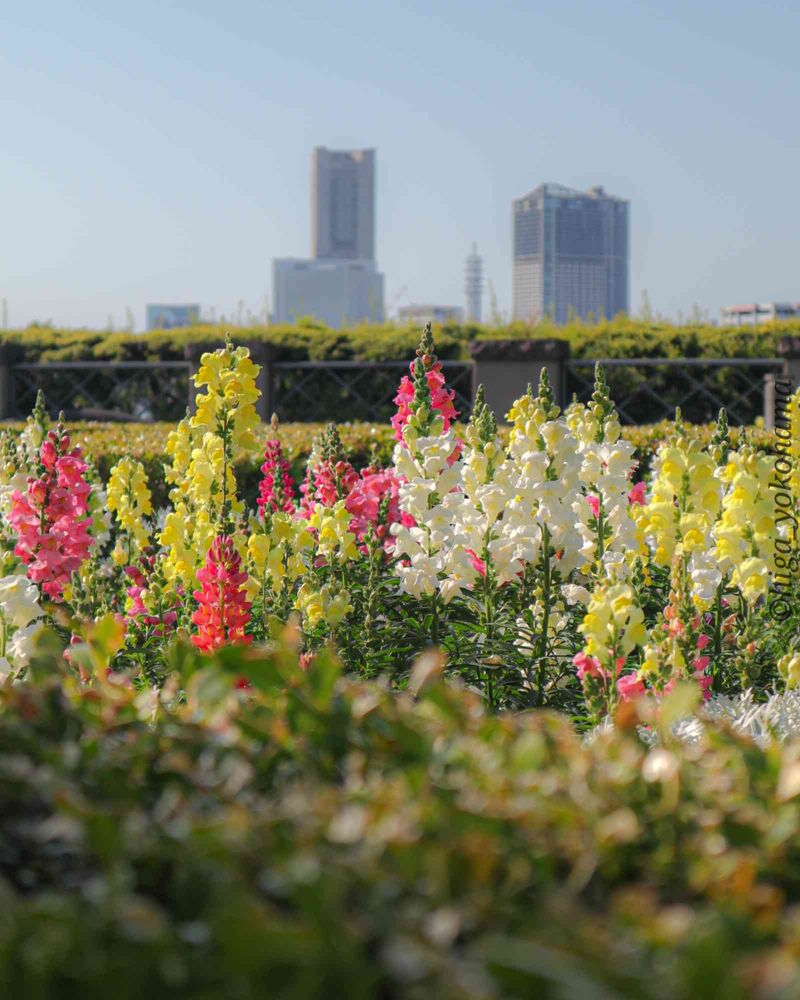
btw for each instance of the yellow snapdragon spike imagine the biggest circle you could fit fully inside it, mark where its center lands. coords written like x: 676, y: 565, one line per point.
x: 128, y: 497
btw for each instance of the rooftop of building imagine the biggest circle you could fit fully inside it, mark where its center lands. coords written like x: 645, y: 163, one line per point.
x: 749, y: 307
x: 552, y: 190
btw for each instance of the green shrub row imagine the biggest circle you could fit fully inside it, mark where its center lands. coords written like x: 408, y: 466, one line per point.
x: 314, y: 836
x: 105, y: 444
x: 622, y: 337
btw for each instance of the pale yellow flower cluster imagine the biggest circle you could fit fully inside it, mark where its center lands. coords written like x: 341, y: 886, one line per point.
x: 128, y: 498
x: 613, y: 625
x: 275, y: 556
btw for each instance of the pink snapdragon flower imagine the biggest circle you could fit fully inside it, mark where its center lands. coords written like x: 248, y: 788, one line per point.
x: 374, y: 503
x: 50, y: 517
x: 630, y: 686
x: 138, y: 612
x: 223, y: 609
x: 594, y: 504
x: 588, y: 666
x: 326, y: 483
x: 441, y: 397
x: 638, y: 494
x: 478, y: 564
x: 277, y: 488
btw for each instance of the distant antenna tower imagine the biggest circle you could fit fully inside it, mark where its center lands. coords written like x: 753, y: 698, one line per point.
x: 473, y: 285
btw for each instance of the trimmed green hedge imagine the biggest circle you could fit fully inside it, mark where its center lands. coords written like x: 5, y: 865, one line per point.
x: 106, y: 444
x: 320, y: 837
x: 621, y: 338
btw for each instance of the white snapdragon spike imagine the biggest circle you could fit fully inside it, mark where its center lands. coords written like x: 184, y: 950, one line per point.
x: 480, y: 509
x: 432, y: 557
x: 19, y: 601
x: 100, y: 528
x: 775, y: 720
x: 543, y: 455
x: 434, y: 545
x: 21, y: 644
x: 704, y: 572
x: 20, y: 622
x: 606, y: 466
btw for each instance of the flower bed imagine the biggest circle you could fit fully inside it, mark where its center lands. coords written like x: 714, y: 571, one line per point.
x: 550, y: 563
x: 198, y: 797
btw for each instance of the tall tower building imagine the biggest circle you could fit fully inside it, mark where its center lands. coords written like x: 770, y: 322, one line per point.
x: 340, y: 284
x: 473, y: 285
x: 343, y: 203
x: 570, y: 254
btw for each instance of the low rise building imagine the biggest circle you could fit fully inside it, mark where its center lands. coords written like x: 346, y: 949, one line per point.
x: 337, y: 292
x: 756, y: 313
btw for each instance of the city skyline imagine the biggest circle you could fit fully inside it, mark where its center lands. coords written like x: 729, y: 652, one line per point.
x: 161, y: 154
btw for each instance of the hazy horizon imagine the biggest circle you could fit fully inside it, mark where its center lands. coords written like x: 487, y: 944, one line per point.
x: 161, y: 154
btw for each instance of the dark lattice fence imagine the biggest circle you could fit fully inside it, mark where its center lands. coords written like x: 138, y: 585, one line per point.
x: 352, y: 390
x: 104, y: 390
x: 647, y: 390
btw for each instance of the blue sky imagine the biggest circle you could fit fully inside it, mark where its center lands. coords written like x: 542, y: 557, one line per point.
x: 159, y: 151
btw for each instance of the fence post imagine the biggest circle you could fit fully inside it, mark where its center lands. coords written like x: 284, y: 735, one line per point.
x: 263, y: 354
x: 192, y: 353
x: 769, y: 401
x: 789, y: 352
x: 505, y: 367
x: 5, y: 382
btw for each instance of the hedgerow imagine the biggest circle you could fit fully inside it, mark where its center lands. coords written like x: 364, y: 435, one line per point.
x: 619, y: 338
x: 106, y: 443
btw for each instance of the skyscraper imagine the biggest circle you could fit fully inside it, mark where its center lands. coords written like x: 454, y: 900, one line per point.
x: 570, y: 254
x: 341, y: 283
x: 343, y: 203
x: 473, y: 285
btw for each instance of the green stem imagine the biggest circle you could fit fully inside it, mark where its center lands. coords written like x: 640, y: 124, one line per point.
x: 545, y: 617
x: 717, y: 629
x: 434, y: 619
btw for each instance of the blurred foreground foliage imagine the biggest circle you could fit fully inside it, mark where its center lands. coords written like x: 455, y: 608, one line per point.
x: 315, y: 836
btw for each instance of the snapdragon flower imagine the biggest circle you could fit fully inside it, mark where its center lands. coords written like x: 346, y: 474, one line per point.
x: 129, y: 499
x: 426, y: 460
x: 50, y: 516
x: 276, y: 490
x: 745, y: 533
x: 610, y: 541
x: 223, y: 610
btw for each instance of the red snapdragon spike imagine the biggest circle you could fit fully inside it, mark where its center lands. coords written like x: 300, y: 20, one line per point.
x: 223, y: 610
x: 50, y: 519
x: 275, y: 470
